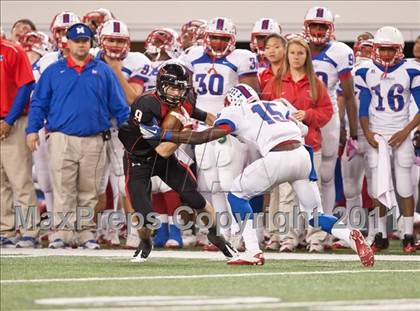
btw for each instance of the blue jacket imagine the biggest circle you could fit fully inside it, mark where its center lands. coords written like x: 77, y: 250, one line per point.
x: 77, y: 104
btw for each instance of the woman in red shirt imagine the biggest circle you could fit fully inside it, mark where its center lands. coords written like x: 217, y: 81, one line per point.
x: 300, y: 86
x: 274, y: 51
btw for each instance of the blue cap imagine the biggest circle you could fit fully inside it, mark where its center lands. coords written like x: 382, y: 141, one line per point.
x: 78, y: 31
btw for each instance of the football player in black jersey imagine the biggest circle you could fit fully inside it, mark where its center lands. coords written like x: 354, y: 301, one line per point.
x: 145, y: 158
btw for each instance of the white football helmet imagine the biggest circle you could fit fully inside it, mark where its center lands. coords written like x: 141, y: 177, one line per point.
x: 389, y: 37
x: 36, y: 41
x: 319, y: 15
x: 163, y: 40
x: 241, y: 94
x: 114, y: 29
x: 96, y: 18
x: 263, y: 27
x: 60, y: 23
x: 224, y: 28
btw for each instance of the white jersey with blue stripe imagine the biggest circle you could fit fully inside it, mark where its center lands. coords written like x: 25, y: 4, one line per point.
x: 262, y: 124
x: 334, y: 60
x: 48, y: 59
x: 213, y: 78
x: 388, y: 109
x: 135, y: 66
x: 152, y: 75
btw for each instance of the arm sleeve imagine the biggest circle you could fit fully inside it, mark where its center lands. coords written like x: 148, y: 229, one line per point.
x: 21, y: 99
x: 229, y: 116
x: 40, y: 102
x: 345, y: 61
x: 322, y: 111
x: 365, y: 98
x: 116, y: 98
x: 415, y: 85
x: 141, y: 73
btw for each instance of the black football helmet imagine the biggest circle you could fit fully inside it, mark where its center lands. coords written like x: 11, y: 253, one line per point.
x: 172, y: 73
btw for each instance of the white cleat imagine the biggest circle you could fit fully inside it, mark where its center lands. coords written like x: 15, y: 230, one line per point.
x: 249, y: 259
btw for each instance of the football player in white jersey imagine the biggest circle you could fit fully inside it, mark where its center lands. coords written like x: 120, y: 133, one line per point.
x: 131, y: 71
x: 160, y: 45
x: 216, y: 67
x: 354, y: 164
x: 333, y: 62
x: 36, y: 44
x: 269, y: 127
x: 386, y: 84
x: 262, y: 28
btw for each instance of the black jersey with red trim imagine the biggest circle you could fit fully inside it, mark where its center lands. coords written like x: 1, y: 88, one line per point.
x: 143, y: 110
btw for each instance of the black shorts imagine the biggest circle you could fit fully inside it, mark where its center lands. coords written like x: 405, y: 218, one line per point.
x: 138, y: 173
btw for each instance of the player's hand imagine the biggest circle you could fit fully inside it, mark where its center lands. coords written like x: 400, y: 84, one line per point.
x: 370, y: 136
x: 299, y: 115
x: 343, y: 135
x: 150, y: 131
x: 114, y: 63
x: 4, y: 129
x: 352, y: 148
x: 183, y: 116
x: 32, y: 140
x: 398, y: 138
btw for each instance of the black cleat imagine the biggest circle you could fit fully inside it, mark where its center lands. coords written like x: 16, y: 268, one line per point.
x: 142, y: 251
x: 409, y: 246
x: 219, y: 241
x: 379, y: 243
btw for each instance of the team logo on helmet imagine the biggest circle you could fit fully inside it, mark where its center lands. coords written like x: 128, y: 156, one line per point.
x: 241, y: 94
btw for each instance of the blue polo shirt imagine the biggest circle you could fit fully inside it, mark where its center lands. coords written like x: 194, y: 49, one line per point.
x: 77, y: 101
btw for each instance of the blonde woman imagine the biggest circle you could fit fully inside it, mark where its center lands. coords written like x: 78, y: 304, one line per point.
x: 299, y: 85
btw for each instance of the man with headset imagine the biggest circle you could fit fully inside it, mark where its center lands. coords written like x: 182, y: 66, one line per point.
x: 77, y: 96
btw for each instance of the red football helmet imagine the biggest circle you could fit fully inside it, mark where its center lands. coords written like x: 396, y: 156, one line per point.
x: 97, y: 18
x: 36, y: 41
x: 192, y: 33
x: 162, y: 40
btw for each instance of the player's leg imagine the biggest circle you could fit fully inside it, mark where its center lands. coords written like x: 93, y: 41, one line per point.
x: 42, y: 169
x: 352, y: 172
x: 182, y: 180
x: 403, y: 162
x: 330, y: 142
x: 230, y: 155
x: 138, y: 185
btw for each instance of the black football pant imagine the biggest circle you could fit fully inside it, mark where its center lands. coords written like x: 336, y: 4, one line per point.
x: 138, y: 173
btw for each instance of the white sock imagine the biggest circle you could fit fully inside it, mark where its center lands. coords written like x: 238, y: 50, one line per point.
x: 328, y: 197
x: 250, y: 237
x: 341, y: 232
x: 49, y: 201
x: 408, y: 225
x: 382, y: 227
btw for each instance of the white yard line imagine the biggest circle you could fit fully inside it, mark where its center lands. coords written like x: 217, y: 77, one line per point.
x: 203, y: 276
x: 19, y: 252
